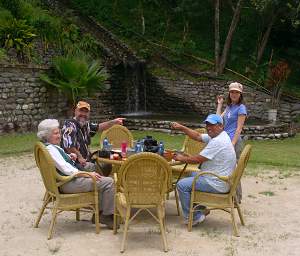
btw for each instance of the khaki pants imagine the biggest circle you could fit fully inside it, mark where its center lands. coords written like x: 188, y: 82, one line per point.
x: 105, y: 187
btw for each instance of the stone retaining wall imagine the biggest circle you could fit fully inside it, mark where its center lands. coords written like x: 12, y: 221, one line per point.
x: 254, y: 132
x: 25, y: 100
x: 200, y: 97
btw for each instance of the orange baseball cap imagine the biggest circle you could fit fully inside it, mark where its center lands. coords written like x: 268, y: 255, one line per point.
x: 83, y: 104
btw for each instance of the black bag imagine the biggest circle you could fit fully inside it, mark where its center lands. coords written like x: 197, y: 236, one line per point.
x: 150, y: 144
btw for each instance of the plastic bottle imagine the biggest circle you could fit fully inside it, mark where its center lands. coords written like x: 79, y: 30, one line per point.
x: 161, y: 148
x: 142, y: 145
x: 105, y: 144
x: 138, y: 147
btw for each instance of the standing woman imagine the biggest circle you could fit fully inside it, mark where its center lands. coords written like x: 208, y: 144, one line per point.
x: 234, y: 117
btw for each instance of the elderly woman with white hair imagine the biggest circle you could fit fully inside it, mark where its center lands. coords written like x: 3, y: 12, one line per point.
x: 49, y: 134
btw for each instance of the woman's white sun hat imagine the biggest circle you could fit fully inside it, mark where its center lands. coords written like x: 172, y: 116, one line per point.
x: 236, y: 87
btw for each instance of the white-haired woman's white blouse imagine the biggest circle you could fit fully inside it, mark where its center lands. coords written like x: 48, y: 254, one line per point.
x: 60, y: 163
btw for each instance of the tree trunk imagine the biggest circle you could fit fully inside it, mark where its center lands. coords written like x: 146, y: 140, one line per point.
x: 231, y: 5
x: 228, y: 41
x: 265, y: 38
x: 217, y: 36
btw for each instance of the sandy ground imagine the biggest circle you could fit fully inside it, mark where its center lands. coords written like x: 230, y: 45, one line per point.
x: 272, y: 222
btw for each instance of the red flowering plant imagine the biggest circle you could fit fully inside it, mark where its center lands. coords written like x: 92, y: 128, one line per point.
x: 278, y: 75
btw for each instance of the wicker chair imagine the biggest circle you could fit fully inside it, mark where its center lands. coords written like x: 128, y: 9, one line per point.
x: 116, y: 135
x: 62, y: 202
x: 145, y: 180
x: 190, y: 147
x: 225, y: 202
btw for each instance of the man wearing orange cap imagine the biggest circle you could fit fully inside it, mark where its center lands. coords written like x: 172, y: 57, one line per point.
x: 77, y: 133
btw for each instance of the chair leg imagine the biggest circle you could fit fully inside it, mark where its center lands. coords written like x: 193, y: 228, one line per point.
x: 77, y: 215
x: 97, y: 217
x: 190, y: 223
x: 54, y: 214
x: 97, y: 221
x: 115, y: 223
x: 235, y: 229
x: 126, y: 229
x: 162, y: 227
x: 45, y: 202
x: 177, y: 202
x: 240, y: 214
x: 46, y: 195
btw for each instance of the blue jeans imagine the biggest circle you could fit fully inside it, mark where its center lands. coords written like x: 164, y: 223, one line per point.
x: 184, y: 188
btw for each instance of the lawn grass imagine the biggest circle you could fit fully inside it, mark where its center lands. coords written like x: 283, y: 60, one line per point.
x: 13, y: 144
x: 273, y: 154
x: 280, y: 153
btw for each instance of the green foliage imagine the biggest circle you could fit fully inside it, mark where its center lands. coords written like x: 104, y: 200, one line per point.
x: 5, y: 16
x: 175, y: 23
x: 14, y: 6
x: 3, y: 55
x: 18, y: 35
x: 75, y: 76
x: 47, y: 26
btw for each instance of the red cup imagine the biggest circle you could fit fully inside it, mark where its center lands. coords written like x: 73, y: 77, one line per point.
x: 124, y: 148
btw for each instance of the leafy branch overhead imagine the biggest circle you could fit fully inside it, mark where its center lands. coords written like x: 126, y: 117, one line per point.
x: 76, y: 77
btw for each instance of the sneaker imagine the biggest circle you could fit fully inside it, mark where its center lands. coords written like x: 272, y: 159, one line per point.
x: 197, y: 221
x: 107, y: 220
x: 93, y: 217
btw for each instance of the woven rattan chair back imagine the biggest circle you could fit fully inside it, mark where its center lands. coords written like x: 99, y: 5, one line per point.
x: 46, y: 167
x: 191, y: 146
x: 116, y: 135
x: 239, y: 170
x: 145, y: 179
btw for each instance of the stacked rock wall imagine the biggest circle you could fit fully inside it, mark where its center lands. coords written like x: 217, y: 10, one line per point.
x: 184, y: 96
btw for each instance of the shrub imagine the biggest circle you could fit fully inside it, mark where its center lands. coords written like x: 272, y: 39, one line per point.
x: 18, y: 35
x: 14, y: 6
x: 75, y: 76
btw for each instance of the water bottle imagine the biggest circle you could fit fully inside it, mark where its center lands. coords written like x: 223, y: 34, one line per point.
x: 142, y: 146
x: 105, y: 144
x: 161, y: 148
x: 138, y: 147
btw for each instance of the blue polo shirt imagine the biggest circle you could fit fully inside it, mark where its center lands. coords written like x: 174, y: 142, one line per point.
x: 232, y: 112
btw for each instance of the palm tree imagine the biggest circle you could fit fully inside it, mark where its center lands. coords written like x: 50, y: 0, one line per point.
x: 75, y: 77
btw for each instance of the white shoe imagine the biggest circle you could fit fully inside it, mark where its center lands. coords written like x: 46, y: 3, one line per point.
x: 195, y: 222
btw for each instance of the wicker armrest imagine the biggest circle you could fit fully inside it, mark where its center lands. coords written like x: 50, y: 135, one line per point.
x: 223, y: 178
x: 115, y: 178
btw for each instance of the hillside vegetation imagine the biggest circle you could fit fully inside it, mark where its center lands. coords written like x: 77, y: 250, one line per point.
x: 178, y: 29
x: 176, y: 37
